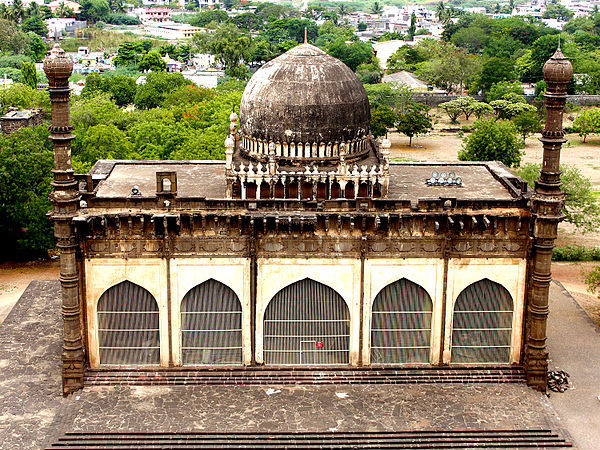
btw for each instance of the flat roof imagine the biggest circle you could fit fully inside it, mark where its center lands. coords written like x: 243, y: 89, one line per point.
x: 481, y: 180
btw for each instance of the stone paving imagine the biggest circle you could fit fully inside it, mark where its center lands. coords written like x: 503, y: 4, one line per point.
x: 33, y: 412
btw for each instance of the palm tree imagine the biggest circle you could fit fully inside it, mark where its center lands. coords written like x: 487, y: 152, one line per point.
x: 33, y: 10
x: 376, y: 8
x: 342, y: 11
x: 18, y: 12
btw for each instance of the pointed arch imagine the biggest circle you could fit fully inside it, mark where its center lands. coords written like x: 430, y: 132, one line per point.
x: 211, y: 325
x: 307, y: 323
x: 401, y: 324
x: 128, y: 326
x: 482, y: 324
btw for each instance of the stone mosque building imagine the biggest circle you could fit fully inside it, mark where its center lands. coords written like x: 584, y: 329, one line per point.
x: 307, y: 247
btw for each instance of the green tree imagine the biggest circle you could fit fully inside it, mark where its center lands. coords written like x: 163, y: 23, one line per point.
x: 353, y: 54
x: 204, y: 18
x: 588, y: 122
x: 452, y: 109
x: 94, y: 10
x: 389, y: 95
x: 35, y: 25
x: 493, y: 71
x: 414, y: 120
x: 492, y: 140
x: 581, y: 206
x: 228, y: 44
x: 370, y: 73
x: 557, y: 11
x: 413, y: 26
x: 152, y: 61
x: 510, y: 106
x: 26, y: 162
x: 29, y: 74
x: 376, y: 8
x: 152, y: 93
x: 501, y: 89
x: 381, y: 120
x: 592, y: 279
x: 104, y: 141
x: 527, y: 122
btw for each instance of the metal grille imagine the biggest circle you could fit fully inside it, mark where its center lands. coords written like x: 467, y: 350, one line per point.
x: 211, y: 325
x: 401, y: 324
x: 482, y: 326
x: 307, y: 323
x: 128, y: 326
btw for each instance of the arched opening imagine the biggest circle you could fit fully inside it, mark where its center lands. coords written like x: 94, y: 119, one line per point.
x: 293, y: 189
x: 377, y: 190
x: 236, y: 189
x: 349, y: 190
x: 307, y: 191
x: 321, y: 190
x: 336, y: 191
x: 363, y: 190
x: 279, y: 190
x: 128, y: 326
x: 211, y: 325
x: 251, y: 190
x: 265, y: 190
x: 482, y: 324
x: 401, y: 324
x: 307, y: 323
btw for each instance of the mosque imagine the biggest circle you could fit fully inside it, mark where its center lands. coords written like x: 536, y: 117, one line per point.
x: 308, y: 247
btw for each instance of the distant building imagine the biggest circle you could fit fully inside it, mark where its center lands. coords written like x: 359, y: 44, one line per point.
x: 56, y: 4
x: 172, y: 64
x: 14, y: 119
x: 171, y: 30
x: 156, y: 14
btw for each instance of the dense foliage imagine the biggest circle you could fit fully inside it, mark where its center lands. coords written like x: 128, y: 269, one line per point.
x: 492, y: 140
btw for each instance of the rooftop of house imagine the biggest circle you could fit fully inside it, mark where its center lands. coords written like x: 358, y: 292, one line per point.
x: 20, y: 114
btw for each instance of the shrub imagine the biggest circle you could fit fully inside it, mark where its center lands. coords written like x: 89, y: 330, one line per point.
x: 576, y: 253
x: 492, y: 140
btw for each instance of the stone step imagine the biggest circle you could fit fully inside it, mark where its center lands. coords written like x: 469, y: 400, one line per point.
x: 256, y: 376
x: 434, y: 440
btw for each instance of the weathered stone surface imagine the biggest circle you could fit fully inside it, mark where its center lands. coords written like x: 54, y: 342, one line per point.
x: 305, y: 95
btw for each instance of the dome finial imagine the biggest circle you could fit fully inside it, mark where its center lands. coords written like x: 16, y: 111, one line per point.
x: 306, y: 35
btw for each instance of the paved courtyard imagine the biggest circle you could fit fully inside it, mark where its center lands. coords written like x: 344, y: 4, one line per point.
x: 33, y: 413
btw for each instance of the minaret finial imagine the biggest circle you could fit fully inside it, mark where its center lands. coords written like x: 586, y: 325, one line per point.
x: 558, y: 41
x: 305, y: 35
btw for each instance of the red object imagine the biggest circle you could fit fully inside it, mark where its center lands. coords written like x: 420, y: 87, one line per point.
x: 319, y: 344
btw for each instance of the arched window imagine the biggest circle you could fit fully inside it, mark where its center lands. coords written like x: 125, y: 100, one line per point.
x: 211, y: 325
x: 349, y: 190
x: 401, y: 324
x: 482, y: 325
x: 307, y: 323
x: 279, y: 190
x: 128, y: 326
x: 363, y: 190
x: 251, y: 190
x: 336, y: 192
x: 307, y: 191
x: 265, y: 190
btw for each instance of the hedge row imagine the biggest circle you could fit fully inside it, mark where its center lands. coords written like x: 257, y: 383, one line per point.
x: 576, y: 253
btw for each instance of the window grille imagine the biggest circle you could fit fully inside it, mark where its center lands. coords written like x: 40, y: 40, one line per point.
x: 211, y: 325
x: 401, y: 324
x: 128, y: 326
x: 482, y: 325
x: 307, y: 323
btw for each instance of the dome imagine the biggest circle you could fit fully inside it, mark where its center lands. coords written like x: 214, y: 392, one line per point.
x: 57, y: 64
x: 558, y: 68
x: 304, y: 97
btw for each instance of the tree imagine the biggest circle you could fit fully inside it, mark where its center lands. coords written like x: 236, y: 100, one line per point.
x: 415, y: 120
x: 592, y: 279
x: 557, y: 11
x: 376, y: 8
x: 247, y: 21
x: 152, y: 61
x: 502, y: 88
x: 94, y: 10
x: 413, y: 26
x: 510, y: 106
x: 35, y: 25
x: 492, y: 140
x: 588, y: 122
x: 389, y: 95
x: 204, y: 18
x: 370, y: 73
x: 581, y: 207
x: 527, y: 122
x: 152, y: 93
x: 353, y: 55
x: 493, y: 71
x: 471, y: 38
x: 26, y: 162
x: 361, y: 26
x: 381, y: 120
x: 453, y: 109
x: 29, y: 74
x: 229, y: 45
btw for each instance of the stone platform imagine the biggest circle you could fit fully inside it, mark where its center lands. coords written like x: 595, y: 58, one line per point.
x: 33, y: 414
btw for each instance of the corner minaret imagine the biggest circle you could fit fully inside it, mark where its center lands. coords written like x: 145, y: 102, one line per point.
x: 65, y: 198
x: 547, y: 207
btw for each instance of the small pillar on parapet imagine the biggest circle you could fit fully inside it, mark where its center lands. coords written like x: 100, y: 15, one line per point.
x: 547, y: 205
